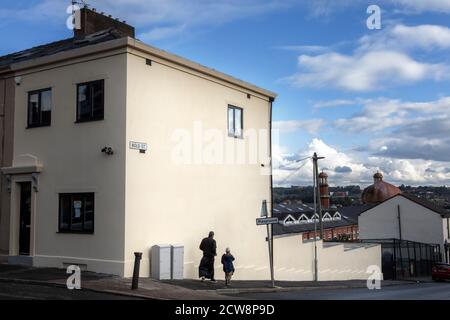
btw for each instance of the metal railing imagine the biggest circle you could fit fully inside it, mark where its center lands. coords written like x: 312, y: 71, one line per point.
x: 403, y: 259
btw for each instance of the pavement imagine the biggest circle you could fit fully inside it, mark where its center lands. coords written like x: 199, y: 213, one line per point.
x: 242, y: 287
x: 26, y: 291
x: 101, y: 283
x: 170, y: 290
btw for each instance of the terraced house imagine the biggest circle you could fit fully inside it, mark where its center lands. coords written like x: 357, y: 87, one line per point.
x: 88, y: 175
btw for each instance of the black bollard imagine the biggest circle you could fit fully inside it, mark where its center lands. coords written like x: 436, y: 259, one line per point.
x: 137, y: 264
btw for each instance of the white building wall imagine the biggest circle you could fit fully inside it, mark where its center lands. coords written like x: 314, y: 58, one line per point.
x: 418, y: 223
x: 446, y: 225
x: 294, y: 259
x: 172, y: 203
x: 72, y: 162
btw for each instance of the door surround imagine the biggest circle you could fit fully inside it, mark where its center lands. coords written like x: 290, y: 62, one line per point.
x: 14, y: 239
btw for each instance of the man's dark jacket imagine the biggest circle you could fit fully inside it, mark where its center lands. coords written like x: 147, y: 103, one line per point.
x: 209, y: 247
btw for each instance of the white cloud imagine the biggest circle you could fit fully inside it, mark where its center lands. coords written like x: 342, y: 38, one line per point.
x: 380, y: 114
x: 188, y: 12
x: 334, y: 103
x: 162, y: 33
x: 321, y: 8
x: 344, y: 169
x: 156, y: 19
x: 363, y: 72
x: 162, y: 19
x: 311, y: 126
x: 424, y: 5
x: 380, y: 60
x: 285, y: 165
x: 44, y: 10
x: 401, y: 125
x: 305, y: 48
x: 401, y: 37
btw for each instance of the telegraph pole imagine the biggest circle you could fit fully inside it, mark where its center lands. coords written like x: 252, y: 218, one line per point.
x: 317, y: 193
x: 316, y: 278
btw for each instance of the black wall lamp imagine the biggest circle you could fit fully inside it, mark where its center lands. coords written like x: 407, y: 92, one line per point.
x: 108, y: 151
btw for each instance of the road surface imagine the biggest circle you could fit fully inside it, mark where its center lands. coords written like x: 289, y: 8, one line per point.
x: 421, y: 291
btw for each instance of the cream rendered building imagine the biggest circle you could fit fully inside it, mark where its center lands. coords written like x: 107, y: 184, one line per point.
x: 116, y: 146
x: 96, y: 209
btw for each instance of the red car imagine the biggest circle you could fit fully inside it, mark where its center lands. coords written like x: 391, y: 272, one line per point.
x: 440, y: 271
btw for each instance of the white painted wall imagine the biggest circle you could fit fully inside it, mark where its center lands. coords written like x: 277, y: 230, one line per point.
x: 175, y: 203
x: 418, y: 223
x: 294, y: 259
x: 72, y: 162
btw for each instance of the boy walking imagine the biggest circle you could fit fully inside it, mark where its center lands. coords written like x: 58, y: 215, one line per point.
x: 228, y: 267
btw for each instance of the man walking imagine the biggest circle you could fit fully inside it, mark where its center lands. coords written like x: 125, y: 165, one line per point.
x: 206, y: 268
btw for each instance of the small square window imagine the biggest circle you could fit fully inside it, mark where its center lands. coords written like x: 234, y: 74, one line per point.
x: 90, y: 101
x: 76, y: 212
x: 235, y: 122
x: 39, y: 108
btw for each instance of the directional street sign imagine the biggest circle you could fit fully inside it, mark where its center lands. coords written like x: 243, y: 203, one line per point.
x: 263, y: 221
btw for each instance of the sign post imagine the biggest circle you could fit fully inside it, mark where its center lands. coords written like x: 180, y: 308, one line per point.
x: 266, y: 220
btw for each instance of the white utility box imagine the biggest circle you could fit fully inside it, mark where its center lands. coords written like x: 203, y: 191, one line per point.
x: 161, y: 262
x: 177, y: 270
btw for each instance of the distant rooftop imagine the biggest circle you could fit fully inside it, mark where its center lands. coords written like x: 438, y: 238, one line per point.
x: 349, y: 217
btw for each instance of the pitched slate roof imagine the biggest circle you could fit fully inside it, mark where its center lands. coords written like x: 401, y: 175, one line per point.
x: 420, y: 201
x: 427, y: 204
x: 59, y: 46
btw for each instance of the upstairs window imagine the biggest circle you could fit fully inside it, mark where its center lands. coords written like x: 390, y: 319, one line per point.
x: 235, y: 122
x: 39, y: 108
x: 90, y: 101
x: 76, y: 212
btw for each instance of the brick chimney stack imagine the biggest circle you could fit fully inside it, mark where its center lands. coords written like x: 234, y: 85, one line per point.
x: 324, y: 192
x: 92, y: 22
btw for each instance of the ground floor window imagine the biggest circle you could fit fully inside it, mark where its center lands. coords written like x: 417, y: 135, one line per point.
x: 76, y: 212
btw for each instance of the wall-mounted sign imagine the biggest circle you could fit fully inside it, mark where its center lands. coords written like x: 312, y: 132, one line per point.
x: 141, y: 146
x: 263, y: 221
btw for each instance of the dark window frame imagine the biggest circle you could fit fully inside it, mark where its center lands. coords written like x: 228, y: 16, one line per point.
x: 69, y: 228
x: 233, y: 134
x: 92, y: 118
x: 41, y: 123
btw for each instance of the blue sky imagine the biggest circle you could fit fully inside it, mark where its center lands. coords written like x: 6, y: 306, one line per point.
x: 367, y: 100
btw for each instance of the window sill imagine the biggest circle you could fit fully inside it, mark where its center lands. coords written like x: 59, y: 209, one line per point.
x: 89, y: 120
x: 37, y: 126
x: 75, y: 232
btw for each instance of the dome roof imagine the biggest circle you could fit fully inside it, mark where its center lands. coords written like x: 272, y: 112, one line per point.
x: 379, y: 190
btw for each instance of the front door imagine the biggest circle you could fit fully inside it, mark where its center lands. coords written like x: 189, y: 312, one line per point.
x: 25, y: 218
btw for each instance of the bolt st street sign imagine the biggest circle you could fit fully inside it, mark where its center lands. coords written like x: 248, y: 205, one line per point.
x: 263, y: 221
x: 142, y: 146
